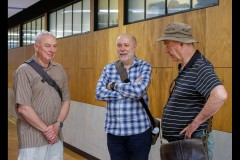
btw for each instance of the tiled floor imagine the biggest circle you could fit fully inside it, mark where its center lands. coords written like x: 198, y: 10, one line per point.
x: 12, y: 144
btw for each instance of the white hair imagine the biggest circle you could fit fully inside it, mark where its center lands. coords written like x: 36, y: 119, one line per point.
x: 39, y: 35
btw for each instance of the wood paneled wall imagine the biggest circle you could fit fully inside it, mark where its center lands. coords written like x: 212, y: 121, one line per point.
x: 84, y: 56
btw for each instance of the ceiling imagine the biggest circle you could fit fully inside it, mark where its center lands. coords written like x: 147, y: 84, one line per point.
x: 15, y: 6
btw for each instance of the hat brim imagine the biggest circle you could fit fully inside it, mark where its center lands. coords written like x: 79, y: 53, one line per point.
x: 183, y: 40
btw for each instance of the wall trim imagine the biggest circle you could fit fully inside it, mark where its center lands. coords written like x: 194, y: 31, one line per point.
x: 80, y: 152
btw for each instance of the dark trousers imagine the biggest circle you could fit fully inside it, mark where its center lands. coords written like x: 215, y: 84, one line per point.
x: 135, y: 147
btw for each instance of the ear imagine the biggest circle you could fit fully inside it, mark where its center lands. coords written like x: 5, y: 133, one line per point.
x: 135, y: 47
x: 36, y: 47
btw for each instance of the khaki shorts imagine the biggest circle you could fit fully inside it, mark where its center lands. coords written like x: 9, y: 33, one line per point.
x: 46, y: 152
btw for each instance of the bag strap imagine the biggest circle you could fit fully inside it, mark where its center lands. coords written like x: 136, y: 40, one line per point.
x: 44, y: 75
x: 121, y: 70
x: 124, y: 78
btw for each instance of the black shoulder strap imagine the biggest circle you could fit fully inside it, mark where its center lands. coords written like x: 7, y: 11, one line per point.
x: 44, y: 75
x: 124, y: 77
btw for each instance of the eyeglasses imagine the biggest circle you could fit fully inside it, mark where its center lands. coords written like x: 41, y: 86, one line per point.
x: 172, y: 86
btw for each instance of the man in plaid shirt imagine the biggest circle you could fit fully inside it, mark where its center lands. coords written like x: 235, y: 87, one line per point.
x: 127, y: 124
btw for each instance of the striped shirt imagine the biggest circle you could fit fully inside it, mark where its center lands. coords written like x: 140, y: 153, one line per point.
x: 191, y: 91
x: 125, y: 114
x: 29, y: 90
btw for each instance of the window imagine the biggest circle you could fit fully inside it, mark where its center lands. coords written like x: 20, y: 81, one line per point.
x: 177, y: 5
x: 106, y: 14
x: 77, y: 18
x: 52, y: 22
x: 155, y: 9
x: 13, y: 37
x: 59, y: 29
x: 139, y: 10
x: 72, y: 19
x: 204, y: 3
x: 68, y: 21
x: 86, y: 16
x: 136, y: 10
x: 30, y: 29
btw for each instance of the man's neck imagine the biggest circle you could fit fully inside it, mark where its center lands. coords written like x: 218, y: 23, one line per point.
x: 128, y: 64
x: 187, y: 56
x: 42, y: 63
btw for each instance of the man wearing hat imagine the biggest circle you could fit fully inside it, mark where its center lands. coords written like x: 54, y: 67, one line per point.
x: 196, y: 94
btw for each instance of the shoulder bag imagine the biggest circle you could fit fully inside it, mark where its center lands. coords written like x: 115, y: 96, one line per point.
x: 155, y: 122
x: 44, y: 75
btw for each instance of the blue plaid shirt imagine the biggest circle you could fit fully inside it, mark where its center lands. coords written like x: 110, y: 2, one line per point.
x: 125, y: 114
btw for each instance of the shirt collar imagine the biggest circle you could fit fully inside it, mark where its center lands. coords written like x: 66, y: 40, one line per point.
x: 195, y: 56
x: 135, y: 62
x: 52, y: 63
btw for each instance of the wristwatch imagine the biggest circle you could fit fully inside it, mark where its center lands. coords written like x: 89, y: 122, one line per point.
x: 60, y: 124
x: 112, y: 86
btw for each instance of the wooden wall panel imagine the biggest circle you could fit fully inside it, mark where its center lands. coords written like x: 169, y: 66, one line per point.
x: 223, y: 119
x: 29, y: 51
x: 98, y: 72
x: 16, y: 56
x: 64, y: 52
x: 87, y: 48
x: 86, y: 87
x: 156, y: 50
x: 74, y: 83
x: 197, y: 19
x: 84, y: 56
x: 219, y: 34
x: 11, y: 72
x: 138, y: 30
x: 113, y: 34
x: 158, y: 90
x: 101, y: 48
x: 74, y: 54
x: 120, y: 13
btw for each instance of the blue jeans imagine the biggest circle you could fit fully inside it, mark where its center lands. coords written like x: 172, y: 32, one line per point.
x: 135, y: 147
x: 210, y: 141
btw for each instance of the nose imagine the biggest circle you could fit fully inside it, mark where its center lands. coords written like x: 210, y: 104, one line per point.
x: 122, y: 48
x: 52, y: 49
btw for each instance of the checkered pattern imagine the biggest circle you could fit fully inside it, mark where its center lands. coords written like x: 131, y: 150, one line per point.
x: 125, y: 114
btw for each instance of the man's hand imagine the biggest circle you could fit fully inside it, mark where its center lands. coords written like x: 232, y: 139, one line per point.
x: 109, y: 86
x: 51, y: 133
x: 138, y: 79
x: 187, y: 131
